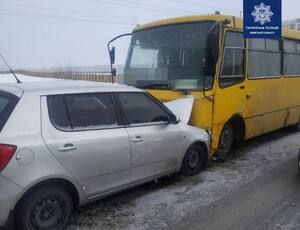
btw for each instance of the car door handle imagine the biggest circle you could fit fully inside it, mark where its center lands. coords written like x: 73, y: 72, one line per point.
x: 137, y: 139
x: 67, y: 147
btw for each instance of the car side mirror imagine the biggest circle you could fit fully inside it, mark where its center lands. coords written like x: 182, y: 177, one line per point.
x: 174, y: 119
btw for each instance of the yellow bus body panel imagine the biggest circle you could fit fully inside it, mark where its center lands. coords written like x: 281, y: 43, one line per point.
x: 264, y: 104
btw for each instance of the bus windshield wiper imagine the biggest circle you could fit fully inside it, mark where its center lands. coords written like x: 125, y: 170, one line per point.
x: 157, y: 86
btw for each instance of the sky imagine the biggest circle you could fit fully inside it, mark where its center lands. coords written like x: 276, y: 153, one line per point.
x: 53, y: 33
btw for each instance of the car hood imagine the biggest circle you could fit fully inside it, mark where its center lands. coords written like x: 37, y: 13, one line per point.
x: 182, y: 107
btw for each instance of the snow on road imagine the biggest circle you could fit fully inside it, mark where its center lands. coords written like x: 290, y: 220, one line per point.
x: 154, y: 206
x: 9, y: 78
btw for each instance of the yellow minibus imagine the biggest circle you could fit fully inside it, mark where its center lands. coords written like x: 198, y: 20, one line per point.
x: 242, y: 87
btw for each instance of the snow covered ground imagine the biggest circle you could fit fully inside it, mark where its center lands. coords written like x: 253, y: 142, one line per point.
x: 9, y: 78
x: 161, y: 206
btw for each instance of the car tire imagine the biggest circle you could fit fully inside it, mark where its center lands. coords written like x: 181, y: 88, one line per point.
x: 225, y: 143
x: 45, y: 208
x: 194, y: 161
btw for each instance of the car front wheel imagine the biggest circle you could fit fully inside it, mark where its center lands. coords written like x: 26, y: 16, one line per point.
x: 195, y: 159
x: 45, y: 208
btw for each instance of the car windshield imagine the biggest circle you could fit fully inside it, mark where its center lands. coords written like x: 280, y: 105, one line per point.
x: 170, y: 56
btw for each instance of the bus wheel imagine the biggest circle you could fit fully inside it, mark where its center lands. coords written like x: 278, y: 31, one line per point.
x: 298, y: 125
x: 299, y: 160
x: 225, y: 143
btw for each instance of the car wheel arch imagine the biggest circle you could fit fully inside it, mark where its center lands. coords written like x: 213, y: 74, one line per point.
x: 59, y: 182
x: 199, y: 143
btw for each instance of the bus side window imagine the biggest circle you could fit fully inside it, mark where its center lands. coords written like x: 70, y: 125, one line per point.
x: 264, y: 58
x: 233, y: 61
x: 291, y: 58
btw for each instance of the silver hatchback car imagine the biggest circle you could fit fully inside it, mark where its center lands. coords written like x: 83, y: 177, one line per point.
x: 64, y: 144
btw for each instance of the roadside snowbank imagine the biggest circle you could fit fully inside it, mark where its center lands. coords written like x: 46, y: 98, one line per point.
x: 9, y: 78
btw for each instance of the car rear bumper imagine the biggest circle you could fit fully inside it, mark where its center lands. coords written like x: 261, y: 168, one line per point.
x: 9, y: 192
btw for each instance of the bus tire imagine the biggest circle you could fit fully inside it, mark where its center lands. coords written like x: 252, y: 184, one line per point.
x: 299, y: 160
x: 298, y: 126
x: 225, y: 142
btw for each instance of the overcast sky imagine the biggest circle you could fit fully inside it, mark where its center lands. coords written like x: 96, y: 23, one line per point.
x: 49, y: 33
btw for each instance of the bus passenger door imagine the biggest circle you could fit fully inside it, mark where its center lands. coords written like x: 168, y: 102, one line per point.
x: 230, y: 94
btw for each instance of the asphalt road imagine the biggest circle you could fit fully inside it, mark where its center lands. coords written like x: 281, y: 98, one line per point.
x: 271, y: 201
x: 259, y: 188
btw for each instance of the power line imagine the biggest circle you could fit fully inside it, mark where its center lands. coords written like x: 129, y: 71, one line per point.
x: 206, y: 6
x: 65, y: 11
x: 48, y: 16
x: 159, y: 7
x: 137, y: 6
x: 125, y: 3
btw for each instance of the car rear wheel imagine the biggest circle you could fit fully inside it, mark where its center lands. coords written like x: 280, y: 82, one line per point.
x: 46, y: 208
x: 225, y: 143
x: 195, y: 159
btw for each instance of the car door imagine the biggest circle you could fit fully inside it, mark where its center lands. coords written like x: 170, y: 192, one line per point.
x: 82, y: 132
x: 155, y: 142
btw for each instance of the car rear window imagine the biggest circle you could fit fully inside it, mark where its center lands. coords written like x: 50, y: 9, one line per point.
x: 7, y: 104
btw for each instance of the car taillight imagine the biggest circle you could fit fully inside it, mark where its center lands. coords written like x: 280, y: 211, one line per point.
x: 6, y: 153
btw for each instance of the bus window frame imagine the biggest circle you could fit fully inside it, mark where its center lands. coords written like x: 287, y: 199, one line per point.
x: 269, y: 51
x: 223, y: 53
x: 283, y: 53
x: 175, y: 24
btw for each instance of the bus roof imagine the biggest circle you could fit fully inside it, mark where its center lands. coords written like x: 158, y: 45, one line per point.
x: 235, y: 22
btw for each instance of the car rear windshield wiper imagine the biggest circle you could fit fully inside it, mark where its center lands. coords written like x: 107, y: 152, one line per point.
x: 157, y: 86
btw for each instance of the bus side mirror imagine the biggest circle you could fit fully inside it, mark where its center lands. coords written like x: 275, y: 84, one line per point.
x: 213, y: 45
x: 213, y: 40
x: 112, y: 55
x: 114, y: 72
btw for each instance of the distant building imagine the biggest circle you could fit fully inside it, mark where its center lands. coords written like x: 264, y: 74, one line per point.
x: 292, y: 24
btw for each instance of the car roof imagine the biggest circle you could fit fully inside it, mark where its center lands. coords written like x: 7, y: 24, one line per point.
x: 53, y: 87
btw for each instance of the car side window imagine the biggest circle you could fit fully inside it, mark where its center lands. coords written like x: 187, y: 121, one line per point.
x: 82, y: 111
x: 58, y: 112
x: 141, y: 109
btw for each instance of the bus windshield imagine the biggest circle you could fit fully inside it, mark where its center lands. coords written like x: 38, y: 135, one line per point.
x: 169, y: 57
